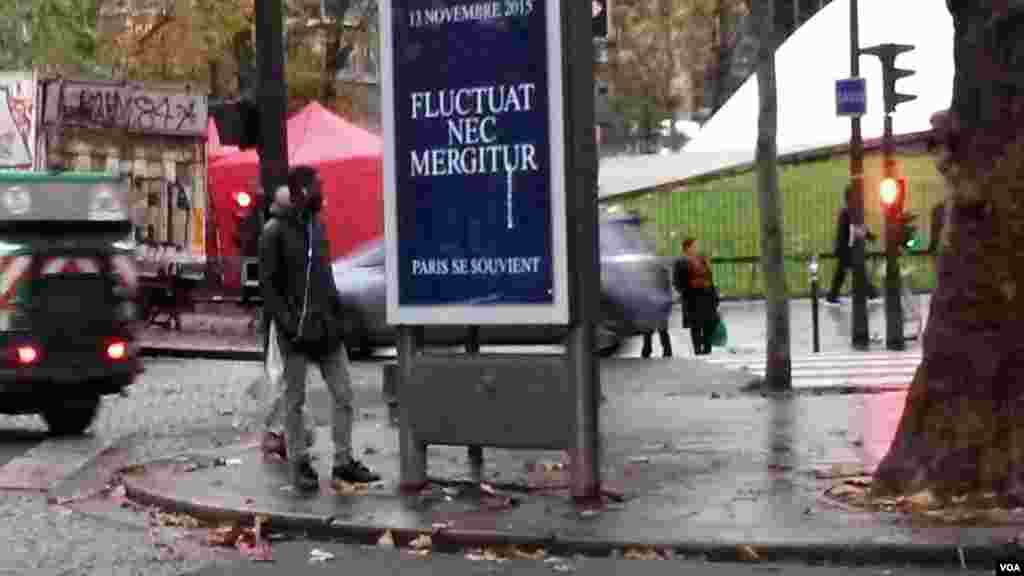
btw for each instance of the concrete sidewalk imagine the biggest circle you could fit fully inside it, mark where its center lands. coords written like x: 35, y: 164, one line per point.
x: 700, y: 468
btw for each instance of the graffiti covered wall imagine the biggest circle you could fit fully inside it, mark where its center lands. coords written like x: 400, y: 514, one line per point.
x: 17, y: 119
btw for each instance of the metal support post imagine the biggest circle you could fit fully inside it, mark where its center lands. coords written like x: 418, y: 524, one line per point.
x: 814, y: 304
x: 584, y: 271
x: 893, y: 283
x: 860, y: 332
x: 475, y: 453
x: 272, y: 97
x: 413, y: 452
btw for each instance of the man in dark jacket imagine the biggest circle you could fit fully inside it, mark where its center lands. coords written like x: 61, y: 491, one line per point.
x: 301, y: 299
x: 844, y: 252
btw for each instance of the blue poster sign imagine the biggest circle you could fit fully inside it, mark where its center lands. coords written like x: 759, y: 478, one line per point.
x: 474, y: 177
x: 851, y: 97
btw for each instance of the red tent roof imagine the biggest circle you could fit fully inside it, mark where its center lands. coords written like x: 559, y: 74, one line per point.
x: 214, y: 149
x: 317, y: 135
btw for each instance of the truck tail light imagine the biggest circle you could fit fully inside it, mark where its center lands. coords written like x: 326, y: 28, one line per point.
x: 27, y: 354
x: 117, y: 350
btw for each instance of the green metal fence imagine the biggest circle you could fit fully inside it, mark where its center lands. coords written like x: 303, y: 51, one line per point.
x: 724, y: 215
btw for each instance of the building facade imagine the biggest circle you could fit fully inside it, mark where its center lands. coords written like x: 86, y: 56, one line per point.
x: 153, y: 135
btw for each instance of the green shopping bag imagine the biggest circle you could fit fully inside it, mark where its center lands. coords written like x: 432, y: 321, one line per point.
x: 720, y: 337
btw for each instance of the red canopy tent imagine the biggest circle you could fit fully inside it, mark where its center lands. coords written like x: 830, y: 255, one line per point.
x: 214, y: 149
x: 349, y: 160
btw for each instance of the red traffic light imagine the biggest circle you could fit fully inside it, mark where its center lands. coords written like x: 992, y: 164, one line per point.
x: 243, y: 199
x: 889, y: 191
x: 893, y: 193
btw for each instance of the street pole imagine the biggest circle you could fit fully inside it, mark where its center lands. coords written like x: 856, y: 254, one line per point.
x: 893, y: 309
x: 861, y: 337
x: 815, y: 325
x: 584, y: 270
x: 272, y: 97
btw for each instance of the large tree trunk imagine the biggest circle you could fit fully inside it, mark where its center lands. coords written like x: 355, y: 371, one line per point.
x: 962, y: 429
x: 778, y: 366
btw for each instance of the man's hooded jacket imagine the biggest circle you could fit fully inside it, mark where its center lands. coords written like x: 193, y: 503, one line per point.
x: 283, y: 258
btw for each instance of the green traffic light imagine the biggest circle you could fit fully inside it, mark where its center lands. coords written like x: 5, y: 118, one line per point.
x: 911, y: 240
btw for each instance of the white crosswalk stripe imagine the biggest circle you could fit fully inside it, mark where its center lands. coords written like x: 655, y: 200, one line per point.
x: 875, y: 369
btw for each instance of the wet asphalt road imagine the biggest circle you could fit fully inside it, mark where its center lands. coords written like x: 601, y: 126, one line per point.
x: 15, y: 442
x: 293, y: 558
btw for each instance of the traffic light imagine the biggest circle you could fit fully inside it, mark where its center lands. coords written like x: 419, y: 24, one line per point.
x: 910, y: 239
x: 893, y: 193
x: 248, y: 222
x: 238, y: 122
x: 887, y: 53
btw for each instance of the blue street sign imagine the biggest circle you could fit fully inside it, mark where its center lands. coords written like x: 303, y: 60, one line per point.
x: 474, y: 178
x: 851, y: 97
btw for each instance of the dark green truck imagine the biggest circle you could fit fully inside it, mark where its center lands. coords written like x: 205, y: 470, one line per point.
x: 68, y: 294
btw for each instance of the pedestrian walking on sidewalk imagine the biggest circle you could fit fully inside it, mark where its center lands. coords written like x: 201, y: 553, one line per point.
x: 302, y: 301
x: 273, y: 442
x: 666, y: 342
x: 845, y: 236
x: 693, y: 279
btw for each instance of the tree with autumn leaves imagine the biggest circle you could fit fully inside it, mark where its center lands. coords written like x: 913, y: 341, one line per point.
x: 661, y: 55
x: 210, y: 44
x: 52, y: 36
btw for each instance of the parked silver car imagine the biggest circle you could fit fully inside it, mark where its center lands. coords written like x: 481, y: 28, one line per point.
x: 636, y: 296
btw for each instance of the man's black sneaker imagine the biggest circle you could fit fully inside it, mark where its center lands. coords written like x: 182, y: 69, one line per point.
x: 354, y: 473
x: 304, y: 478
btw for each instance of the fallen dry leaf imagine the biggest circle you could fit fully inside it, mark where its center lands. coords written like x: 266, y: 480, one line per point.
x: 224, y: 536
x: 997, y: 515
x: 748, y: 554
x: 133, y: 470
x: 348, y: 489
x: 845, y: 490
x: 641, y: 554
x: 538, y: 554
x: 177, y: 520
x: 387, y: 540
x: 922, y: 500
x: 552, y: 466
x: 422, y: 541
x: 844, y: 470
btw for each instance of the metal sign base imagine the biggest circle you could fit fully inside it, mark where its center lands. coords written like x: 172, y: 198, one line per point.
x: 501, y: 401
